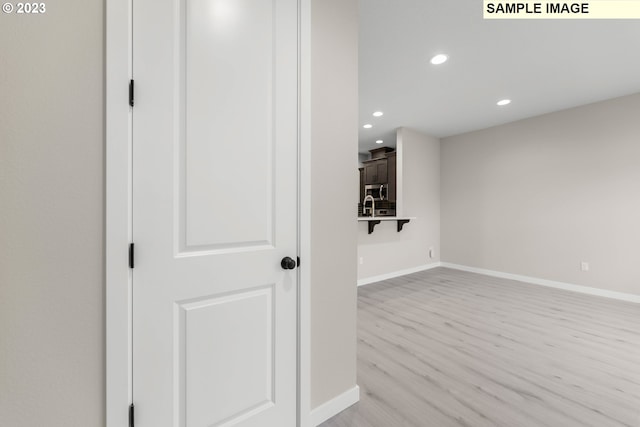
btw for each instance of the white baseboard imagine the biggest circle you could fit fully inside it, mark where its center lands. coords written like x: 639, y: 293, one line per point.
x: 549, y: 283
x: 334, y: 406
x: 520, y: 278
x: 374, y: 279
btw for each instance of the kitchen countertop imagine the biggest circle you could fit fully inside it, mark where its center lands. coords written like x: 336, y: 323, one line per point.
x: 384, y: 218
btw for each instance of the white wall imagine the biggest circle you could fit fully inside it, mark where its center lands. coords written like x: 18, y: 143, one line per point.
x: 334, y: 184
x: 538, y: 196
x: 363, y: 157
x: 52, y: 216
x: 386, y: 251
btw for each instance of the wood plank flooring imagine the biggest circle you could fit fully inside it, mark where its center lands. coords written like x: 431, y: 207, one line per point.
x: 448, y: 348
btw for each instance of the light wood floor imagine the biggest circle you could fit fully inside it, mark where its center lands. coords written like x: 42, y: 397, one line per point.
x: 448, y: 348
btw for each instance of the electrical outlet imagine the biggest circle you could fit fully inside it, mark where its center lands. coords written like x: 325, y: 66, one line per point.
x: 361, y: 260
x: 584, y: 266
x: 432, y: 253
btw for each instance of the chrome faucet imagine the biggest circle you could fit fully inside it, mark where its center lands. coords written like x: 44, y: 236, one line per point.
x: 373, y: 204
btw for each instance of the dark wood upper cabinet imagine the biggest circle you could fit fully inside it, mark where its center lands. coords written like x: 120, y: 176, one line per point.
x: 361, y: 184
x: 375, y: 171
x: 380, y: 153
x: 391, y: 172
x: 369, y: 173
x: 381, y: 171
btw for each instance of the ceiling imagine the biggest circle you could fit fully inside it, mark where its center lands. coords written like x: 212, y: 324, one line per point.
x: 541, y: 65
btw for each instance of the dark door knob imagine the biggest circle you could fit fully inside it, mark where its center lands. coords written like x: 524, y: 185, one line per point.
x: 288, y: 263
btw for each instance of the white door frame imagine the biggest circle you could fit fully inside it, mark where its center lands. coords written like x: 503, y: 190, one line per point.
x: 118, y: 232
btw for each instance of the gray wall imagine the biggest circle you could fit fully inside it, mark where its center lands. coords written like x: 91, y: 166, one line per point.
x: 538, y: 196
x: 334, y: 183
x: 52, y: 216
x: 386, y: 251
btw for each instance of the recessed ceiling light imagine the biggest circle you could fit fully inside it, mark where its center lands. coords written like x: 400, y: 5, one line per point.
x: 379, y: 141
x: 367, y: 126
x: 439, y: 59
x: 504, y: 102
x: 378, y: 114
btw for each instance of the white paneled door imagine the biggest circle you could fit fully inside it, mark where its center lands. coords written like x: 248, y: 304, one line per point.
x: 215, y: 212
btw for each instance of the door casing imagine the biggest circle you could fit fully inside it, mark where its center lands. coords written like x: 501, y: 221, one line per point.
x: 118, y: 215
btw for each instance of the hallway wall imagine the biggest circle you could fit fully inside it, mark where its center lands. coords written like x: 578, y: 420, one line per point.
x: 52, y: 216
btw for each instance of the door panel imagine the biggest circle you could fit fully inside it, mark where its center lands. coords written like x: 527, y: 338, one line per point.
x: 214, y: 212
x: 228, y: 130
x: 208, y: 335
x: 381, y: 171
x: 370, y: 173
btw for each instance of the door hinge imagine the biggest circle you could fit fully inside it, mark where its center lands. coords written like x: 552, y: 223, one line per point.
x: 131, y: 93
x: 131, y: 255
x: 131, y: 414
